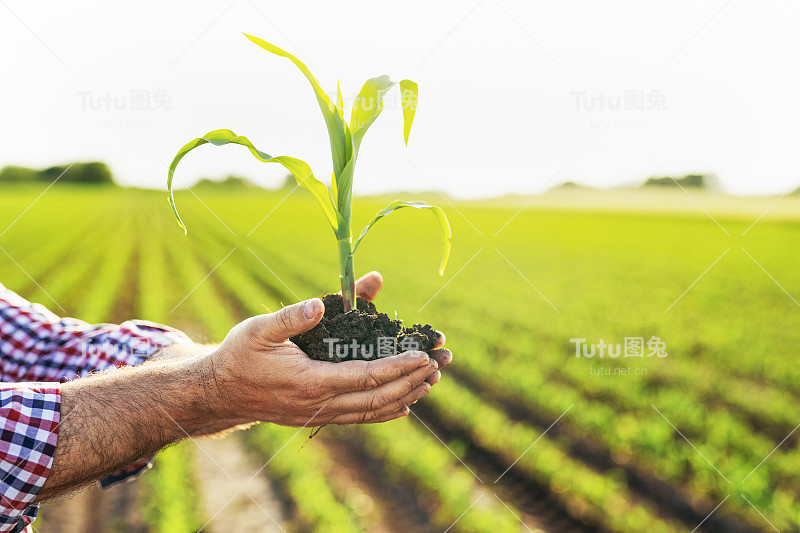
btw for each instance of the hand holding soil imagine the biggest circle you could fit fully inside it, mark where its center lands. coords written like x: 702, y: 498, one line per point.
x: 369, y: 285
x: 258, y: 374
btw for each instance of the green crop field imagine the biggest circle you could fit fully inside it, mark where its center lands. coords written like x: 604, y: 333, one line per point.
x: 521, y: 434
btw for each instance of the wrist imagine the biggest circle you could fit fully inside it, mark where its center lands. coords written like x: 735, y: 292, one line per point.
x: 178, y: 351
x: 181, y: 396
x: 215, y: 399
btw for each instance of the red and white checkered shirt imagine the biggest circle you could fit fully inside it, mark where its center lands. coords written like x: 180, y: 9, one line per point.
x: 38, y: 352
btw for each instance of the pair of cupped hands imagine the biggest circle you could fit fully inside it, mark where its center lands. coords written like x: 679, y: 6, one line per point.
x: 256, y: 373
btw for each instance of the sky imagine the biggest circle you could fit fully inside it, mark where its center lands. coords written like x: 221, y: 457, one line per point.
x: 515, y: 96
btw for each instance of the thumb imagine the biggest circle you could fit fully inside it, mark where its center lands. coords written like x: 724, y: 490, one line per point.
x: 292, y: 320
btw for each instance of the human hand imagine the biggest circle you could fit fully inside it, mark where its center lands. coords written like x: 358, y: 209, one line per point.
x: 368, y: 287
x: 257, y: 374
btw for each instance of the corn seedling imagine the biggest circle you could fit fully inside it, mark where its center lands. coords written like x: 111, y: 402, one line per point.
x: 345, y: 141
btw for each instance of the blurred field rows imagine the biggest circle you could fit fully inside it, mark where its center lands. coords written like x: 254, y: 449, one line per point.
x: 521, y: 284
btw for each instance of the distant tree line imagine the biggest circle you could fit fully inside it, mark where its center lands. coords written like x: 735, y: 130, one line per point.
x: 88, y: 173
x: 690, y: 181
x: 696, y: 181
x: 231, y: 182
x: 238, y: 182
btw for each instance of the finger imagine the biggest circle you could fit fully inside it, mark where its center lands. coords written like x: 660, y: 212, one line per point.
x: 352, y: 376
x: 440, y: 338
x: 368, y: 417
x: 290, y: 321
x: 408, y: 400
x: 369, y: 285
x: 405, y: 411
x: 362, y: 417
x: 434, y: 378
x: 443, y: 357
x: 389, y: 396
x: 359, y: 418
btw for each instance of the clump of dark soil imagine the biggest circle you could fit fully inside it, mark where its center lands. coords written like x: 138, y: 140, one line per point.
x: 363, y: 333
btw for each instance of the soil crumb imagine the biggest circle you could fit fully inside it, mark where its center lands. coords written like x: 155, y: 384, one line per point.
x: 364, y: 333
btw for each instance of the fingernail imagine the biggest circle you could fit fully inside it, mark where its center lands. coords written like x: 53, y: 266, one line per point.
x: 311, y: 308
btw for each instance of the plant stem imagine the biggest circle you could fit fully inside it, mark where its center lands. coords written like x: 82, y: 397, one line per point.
x: 346, y: 273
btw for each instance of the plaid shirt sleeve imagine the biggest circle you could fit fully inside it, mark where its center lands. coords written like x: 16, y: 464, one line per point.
x: 29, y: 418
x: 38, y: 346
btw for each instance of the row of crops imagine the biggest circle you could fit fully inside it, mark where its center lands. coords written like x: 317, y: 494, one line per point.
x: 612, y: 462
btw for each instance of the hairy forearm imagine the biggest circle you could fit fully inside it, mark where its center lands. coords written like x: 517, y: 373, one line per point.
x: 176, y: 352
x: 179, y: 351
x: 111, y: 420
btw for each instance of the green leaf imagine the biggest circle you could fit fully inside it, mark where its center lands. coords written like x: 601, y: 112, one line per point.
x: 333, y: 185
x: 368, y: 106
x: 447, y: 234
x: 366, y: 109
x: 300, y: 170
x: 344, y: 194
x: 337, y: 128
x: 409, y: 95
x: 348, y: 138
